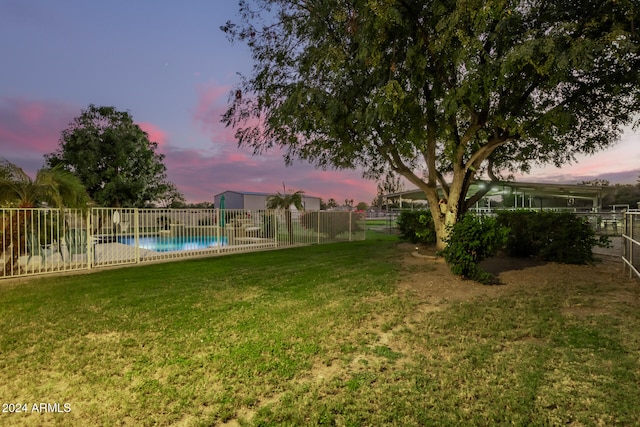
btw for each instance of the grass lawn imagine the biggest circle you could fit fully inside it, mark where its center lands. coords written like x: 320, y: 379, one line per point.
x: 320, y: 335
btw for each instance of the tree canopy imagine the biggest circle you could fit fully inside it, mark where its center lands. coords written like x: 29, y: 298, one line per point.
x: 114, y: 159
x: 622, y: 194
x: 437, y: 91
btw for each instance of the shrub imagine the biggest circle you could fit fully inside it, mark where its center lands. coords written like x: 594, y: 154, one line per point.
x: 525, y: 232
x: 553, y: 236
x: 331, y: 223
x: 569, y: 240
x: 417, y: 227
x: 471, y: 240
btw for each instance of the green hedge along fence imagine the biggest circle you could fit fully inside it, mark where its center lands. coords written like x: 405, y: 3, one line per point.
x: 550, y: 236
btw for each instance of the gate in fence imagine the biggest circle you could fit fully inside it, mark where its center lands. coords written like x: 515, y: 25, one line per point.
x: 631, y: 242
x: 40, y: 241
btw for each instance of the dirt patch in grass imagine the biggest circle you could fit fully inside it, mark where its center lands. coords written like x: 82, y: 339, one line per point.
x: 426, y: 281
x: 428, y: 278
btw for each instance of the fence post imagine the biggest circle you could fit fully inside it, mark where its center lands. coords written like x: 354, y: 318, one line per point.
x: 91, y: 247
x: 136, y: 233
x: 350, y: 234
x: 318, y: 231
x: 631, y: 244
x: 218, y: 226
x: 625, y: 241
x: 275, y: 227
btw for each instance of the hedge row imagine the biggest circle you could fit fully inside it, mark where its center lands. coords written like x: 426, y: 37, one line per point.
x: 550, y: 236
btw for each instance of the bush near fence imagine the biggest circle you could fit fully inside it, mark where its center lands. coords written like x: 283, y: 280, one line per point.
x: 552, y: 236
x: 332, y: 224
x: 417, y: 227
x: 473, y: 239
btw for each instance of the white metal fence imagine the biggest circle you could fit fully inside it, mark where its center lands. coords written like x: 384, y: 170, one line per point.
x: 608, y: 223
x: 40, y: 241
x: 631, y: 243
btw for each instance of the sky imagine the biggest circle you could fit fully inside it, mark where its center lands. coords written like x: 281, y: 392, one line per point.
x: 169, y: 64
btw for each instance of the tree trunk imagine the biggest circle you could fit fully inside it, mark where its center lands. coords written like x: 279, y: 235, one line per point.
x: 289, y: 222
x: 444, y: 217
x: 447, y: 211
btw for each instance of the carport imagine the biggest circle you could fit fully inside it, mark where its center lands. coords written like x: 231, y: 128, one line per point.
x: 527, y: 195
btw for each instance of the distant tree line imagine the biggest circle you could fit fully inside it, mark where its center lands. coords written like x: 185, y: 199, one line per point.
x: 618, y: 194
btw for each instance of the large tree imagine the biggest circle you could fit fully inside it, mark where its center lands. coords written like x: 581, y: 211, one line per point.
x: 114, y: 159
x: 438, y: 91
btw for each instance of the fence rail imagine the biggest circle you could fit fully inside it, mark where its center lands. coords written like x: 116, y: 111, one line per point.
x: 609, y: 223
x: 631, y: 243
x: 41, y: 241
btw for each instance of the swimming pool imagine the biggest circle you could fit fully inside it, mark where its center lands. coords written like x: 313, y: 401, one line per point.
x: 172, y: 243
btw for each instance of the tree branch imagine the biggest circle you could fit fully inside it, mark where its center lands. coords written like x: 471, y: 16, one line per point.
x: 485, y: 151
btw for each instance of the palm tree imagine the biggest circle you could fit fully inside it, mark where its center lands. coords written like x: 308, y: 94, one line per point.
x: 54, y: 187
x: 285, y: 201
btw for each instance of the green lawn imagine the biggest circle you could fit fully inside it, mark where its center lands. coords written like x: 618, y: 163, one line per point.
x: 318, y: 335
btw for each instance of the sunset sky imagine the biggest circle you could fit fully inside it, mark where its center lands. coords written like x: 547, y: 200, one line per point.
x: 171, y: 67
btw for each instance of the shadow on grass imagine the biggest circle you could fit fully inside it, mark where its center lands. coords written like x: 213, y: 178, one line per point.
x: 502, y: 263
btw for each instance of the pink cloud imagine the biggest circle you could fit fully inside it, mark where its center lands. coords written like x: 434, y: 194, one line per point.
x: 592, y: 168
x: 239, y: 157
x: 233, y: 168
x: 201, y: 175
x: 31, y: 128
x: 210, y: 107
x: 155, y: 133
x: 32, y: 125
x: 31, y: 113
x: 616, y: 162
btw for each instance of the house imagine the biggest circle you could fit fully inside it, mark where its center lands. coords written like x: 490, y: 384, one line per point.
x: 256, y: 201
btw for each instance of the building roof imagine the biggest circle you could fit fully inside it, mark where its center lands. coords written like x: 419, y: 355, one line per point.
x: 535, y: 189
x: 246, y: 193
x: 255, y: 193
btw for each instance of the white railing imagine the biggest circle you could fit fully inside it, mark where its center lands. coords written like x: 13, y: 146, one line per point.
x: 631, y: 242
x: 609, y: 223
x: 40, y: 241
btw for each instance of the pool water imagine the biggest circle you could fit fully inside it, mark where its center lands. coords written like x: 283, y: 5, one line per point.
x: 169, y: 243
